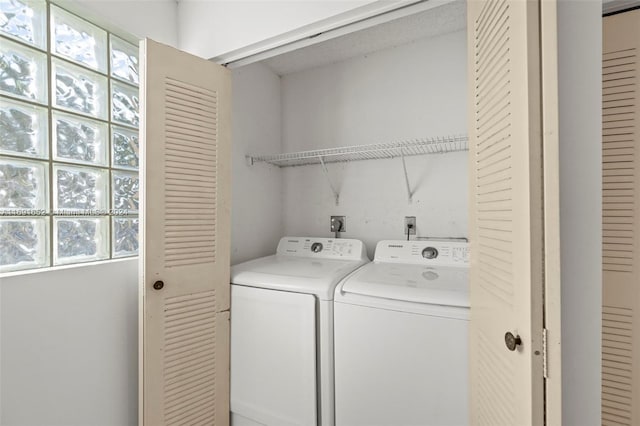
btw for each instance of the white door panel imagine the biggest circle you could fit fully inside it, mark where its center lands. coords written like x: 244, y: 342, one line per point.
x: 506, y: 211
x: 399, y: 368
x: 273, y: 352
x: 621, y: 219
x: 184, y: 259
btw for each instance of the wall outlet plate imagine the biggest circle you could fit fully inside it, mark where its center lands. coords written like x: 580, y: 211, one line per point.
x: 410, y: 220
x: 338, y: 223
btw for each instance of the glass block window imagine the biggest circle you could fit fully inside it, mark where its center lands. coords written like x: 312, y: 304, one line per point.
x: 25, y: 21
x: 23, y: 72
x: 69, y: 117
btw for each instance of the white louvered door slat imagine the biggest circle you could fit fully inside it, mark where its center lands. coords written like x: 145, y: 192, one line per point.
x: 506, y: 212
x: 621, y: 219
x: 185, y: 197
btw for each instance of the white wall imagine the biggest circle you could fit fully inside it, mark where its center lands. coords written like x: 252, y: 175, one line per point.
x: 156, y: 19
x: 209, y: 28
x: 256, y: 211
x: 580, y: 92
x: 412, y: 91
x: 68, y: 342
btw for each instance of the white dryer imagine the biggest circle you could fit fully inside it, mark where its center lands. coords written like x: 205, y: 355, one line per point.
x: 282, y: 331
x: 401, y: 330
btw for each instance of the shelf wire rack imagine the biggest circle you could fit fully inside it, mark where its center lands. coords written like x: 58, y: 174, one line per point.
x: 423, y: 146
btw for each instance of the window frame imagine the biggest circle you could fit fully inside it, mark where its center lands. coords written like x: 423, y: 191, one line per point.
x: 50, y: 161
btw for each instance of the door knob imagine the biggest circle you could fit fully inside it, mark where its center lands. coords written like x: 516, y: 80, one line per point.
x: 512, y: 341
x: 158, y: 285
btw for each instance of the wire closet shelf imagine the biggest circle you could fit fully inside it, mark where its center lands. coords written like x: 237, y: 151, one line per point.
x: 424, y: 146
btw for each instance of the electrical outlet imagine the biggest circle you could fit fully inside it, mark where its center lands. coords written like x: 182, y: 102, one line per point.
x: 338, y: 223
x: 410, y: 225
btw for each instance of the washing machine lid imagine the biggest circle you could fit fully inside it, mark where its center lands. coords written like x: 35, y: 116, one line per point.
x: 446, y: 286
x: 303, y: 266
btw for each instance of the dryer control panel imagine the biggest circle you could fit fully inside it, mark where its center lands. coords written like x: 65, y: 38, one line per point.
x: 425, y: 252
x: 325, y: 248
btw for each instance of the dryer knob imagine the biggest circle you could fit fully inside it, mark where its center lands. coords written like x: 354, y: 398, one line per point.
x: 316, y: 247
x: 430, y: 253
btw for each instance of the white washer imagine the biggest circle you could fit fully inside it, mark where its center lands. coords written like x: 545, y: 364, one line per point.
x: 282, y: 331
x: 401, y: 329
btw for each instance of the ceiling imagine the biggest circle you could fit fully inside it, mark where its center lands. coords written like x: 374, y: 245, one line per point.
x: 612, y: 6
x: 440, y: 20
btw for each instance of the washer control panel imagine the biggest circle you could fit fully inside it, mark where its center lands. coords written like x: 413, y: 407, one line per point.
x: 327, y: 248
x: 428, y: 252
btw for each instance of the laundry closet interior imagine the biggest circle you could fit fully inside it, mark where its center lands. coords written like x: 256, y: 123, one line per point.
x: 400, y: 83
x: 369, y: 126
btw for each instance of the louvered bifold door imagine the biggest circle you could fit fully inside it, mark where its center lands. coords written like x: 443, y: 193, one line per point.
x: 506, y: 213
x: 621, y: 219
x: 185, y: 197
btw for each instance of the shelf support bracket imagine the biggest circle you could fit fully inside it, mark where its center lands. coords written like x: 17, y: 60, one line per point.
x: 406, y: 176
x: 325, y: 171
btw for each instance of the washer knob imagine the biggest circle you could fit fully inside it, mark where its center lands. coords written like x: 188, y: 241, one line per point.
x: 316, y: 247
x: 430, y: 253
